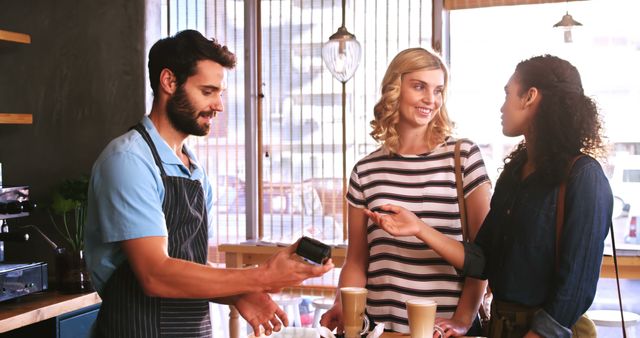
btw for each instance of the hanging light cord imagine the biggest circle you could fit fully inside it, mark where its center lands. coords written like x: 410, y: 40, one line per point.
x: 343, y: 12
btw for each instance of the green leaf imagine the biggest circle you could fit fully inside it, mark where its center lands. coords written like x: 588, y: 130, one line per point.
x: 61, y: 205
x: 69, y: 203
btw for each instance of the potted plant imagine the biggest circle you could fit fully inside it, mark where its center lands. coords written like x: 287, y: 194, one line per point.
x: 68, y: 214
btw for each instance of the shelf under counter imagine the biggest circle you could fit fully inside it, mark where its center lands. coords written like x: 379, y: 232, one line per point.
x: 41, y: 306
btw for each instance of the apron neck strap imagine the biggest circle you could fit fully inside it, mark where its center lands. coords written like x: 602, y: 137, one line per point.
x: 147, y: 138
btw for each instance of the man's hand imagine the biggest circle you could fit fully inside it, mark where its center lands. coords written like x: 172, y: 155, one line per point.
x: 285, y: 268
x: 258, y: 309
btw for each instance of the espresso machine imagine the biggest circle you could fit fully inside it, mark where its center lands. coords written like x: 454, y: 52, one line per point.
x: 17, y: 279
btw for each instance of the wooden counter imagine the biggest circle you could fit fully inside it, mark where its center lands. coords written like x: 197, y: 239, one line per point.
x: 628, y: 267
x: 41, y: 306
x: 241, y: 255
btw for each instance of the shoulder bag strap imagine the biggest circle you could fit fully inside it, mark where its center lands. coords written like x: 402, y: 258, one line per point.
x: 459, y: 188
x: 483, y: 311
x: 560, y: 222
x: 615, y: 264
x: 562, y: 190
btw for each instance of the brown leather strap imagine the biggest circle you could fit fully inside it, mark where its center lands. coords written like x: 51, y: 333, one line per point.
x: 562, y: 190
x: 463, y: 210
x: 482, y: 312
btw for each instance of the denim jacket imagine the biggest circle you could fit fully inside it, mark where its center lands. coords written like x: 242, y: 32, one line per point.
x: 515, y: 248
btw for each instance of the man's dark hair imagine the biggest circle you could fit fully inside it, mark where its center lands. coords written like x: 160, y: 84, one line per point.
x: 180, y: 54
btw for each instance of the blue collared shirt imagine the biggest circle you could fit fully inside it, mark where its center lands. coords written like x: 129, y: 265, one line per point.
x: 125, y: 197
x: 515, y: 248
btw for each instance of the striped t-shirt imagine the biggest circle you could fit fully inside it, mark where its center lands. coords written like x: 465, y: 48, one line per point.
x: 405, y: 267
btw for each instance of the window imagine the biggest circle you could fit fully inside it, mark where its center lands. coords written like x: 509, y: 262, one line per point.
x: 302, y: 126
x: 487, y: 43
x: 631, y: 175
x: 301, y: 109
x: 222, y: 152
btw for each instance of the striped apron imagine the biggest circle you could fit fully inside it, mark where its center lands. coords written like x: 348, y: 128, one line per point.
x: 126, y: 311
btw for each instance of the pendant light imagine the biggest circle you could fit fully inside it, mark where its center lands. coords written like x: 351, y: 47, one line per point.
x: 341, y: 54
x: 566, y: 24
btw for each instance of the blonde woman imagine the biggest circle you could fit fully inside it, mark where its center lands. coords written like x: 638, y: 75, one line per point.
x: 414, y: 168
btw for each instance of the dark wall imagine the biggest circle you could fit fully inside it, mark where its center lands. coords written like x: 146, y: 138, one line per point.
x: 82, y: 78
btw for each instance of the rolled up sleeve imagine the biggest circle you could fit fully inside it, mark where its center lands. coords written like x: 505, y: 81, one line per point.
x: 544, y: 325
x: 474, y: 261
x: 476, y: 253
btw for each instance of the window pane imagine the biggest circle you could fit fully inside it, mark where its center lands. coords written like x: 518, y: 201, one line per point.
x: 486, y: 45
x: 302, y: 108
x: 222, y: 152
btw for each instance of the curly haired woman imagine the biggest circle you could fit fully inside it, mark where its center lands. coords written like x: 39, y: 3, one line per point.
x: 536, y: 292
x: 414, y: 168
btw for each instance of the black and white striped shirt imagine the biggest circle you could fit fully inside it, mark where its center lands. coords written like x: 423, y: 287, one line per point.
x: 405, y: 267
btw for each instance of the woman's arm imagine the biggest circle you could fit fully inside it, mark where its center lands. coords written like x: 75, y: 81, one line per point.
x: 399, y: 221
x: 354, y: 271
x: 477, y: 208
x: 473, y: 290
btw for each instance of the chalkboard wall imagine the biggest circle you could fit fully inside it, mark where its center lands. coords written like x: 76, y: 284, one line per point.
x: 83, y: 79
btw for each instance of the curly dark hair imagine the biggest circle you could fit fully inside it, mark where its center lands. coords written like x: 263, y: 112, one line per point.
x: 180, y: 54
x: 567, y: 122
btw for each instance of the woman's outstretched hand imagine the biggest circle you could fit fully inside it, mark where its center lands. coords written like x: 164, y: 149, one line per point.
x: 396, y: 220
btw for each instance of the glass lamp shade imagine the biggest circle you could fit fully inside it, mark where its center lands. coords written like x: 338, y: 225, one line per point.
x: 341, y: 54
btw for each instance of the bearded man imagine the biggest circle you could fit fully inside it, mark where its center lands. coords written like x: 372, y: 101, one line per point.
x: 148, y: 220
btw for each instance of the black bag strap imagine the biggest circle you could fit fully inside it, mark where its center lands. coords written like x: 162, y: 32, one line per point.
x: 615, y: 264
x: 562, y: 190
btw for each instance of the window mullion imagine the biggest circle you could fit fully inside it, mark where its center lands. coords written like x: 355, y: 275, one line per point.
x: 253, y: 157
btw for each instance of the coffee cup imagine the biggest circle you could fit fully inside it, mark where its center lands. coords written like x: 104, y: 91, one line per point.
x: 354, y: 300
x: 422, y: 315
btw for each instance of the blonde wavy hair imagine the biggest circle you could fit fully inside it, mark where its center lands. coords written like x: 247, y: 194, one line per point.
x: 386, y: 112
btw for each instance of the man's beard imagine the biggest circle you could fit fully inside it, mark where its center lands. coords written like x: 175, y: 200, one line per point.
x: 183, y: 116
